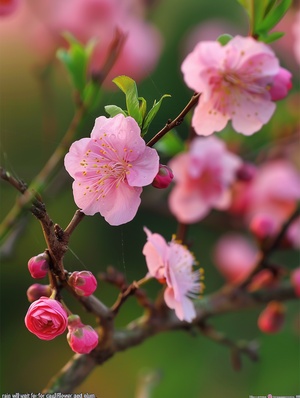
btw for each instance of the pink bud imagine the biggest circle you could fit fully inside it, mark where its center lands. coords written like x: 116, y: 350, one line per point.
x: 281, y: 85
x: 295, y: 280
x: 263, y: 226
x: 81, y: 338
x: 39, y: 265
x: 84, y: 283
x: 271, y: 319
x: 246, y: 172
x: 36, y: 291
x: 163, y: 178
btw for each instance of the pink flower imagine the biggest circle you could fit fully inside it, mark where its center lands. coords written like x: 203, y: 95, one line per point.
x: 163, y: 178
x: 272, y: 194
x: 8, y: 7
x: 38, y: 266
x: 296, y: 32
x: 110, y: 169
x: 173, y: 263
x: 271, y: 319
x: 295, y: 280
x: 46, y: 318
x: 81, y: 338
x: 234, y: 81
x: 203, y: 176
x: 234, y: 257
x: 83, y: 282
x: 281, y: 85
x: 36, y: 291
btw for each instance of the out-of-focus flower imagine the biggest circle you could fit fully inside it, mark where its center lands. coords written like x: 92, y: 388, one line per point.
x: 38, y: 266
x: 172, y: 263
x: 8, y: 7
x: 99, y: 20
x: 271, y: 319
x: 272, y: 193
x: 203, y: 176
x: 36, y: 291
x: 295, y: 280
x: 235, y: 257
x: 263, y: 226
x: 296, y: 32
x: 234, y: 81
x: 81, y: 338
x: 46, y: 318
x: 83, y: 282
x: 163, y: 178
x: 110, y: 169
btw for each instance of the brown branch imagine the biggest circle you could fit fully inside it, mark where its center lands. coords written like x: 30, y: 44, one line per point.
x: 176, y: 122
x: 224, y: 301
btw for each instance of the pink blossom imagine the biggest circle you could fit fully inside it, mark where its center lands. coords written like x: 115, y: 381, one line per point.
x: 234, y: 81
x: 272, y: 194
x: 271, y: 319
x: 83, y: 282
x: 36, y: 291
x: 110, y: 169
x: 173, y: 263
x: 8, y: 7
x: 235, y: 257
x: 295, y: 280
x: 296, y: 32
x: 38, y: 266
x: 81, y: 338
x: 46, y: 318
x: 163, y: 178
x: 203, y: 176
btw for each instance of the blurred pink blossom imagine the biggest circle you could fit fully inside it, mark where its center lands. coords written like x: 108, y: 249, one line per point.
x: 97, y: 19
x: 295, y: 280
x: 81, y: 338
x: 203, y: 176
x: 234, y: 81
x: 235, y: 257
x: 173, y: 263
x: 8, y: 7
x: 271, y: 319
x: 296, y: 32
x: 272, y: 194
x: 110, y: 169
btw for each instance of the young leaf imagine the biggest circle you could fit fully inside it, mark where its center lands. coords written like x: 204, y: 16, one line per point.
x: 224, y: 39
x: 272, y: 37
x: 128, y: 86
x: 274, y: 15
x: 151, y: 114
x: 114, y: 110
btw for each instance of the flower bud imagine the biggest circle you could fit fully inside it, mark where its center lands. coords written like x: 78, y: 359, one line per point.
x: 281, y: 85
x: 36, y: 291
x: 81, y: 338
x: 263, y: 226
x: 246, y: 172
x: 39, y: 265
x: 295, y: 280
x: 83, y: 282
x: 271, y: 319
x: 163, y: 178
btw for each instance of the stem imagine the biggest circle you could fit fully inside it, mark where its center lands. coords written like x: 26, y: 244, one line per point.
x: 176, y: 122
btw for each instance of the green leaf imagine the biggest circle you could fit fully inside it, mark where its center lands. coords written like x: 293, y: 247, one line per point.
x: 76, y: 59
x: 171, y: 144
x: 143, y: 107
x: 128, y: 86
x: 272, y: 37
x: 274, y: 15
x: 152, y: 113
x: 114, y: 110
x: 224, y: 39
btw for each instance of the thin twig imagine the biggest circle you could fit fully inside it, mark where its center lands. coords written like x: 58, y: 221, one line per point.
x: 176, y: 122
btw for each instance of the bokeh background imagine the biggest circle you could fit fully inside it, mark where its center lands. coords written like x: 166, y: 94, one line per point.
x: 36, y: 109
